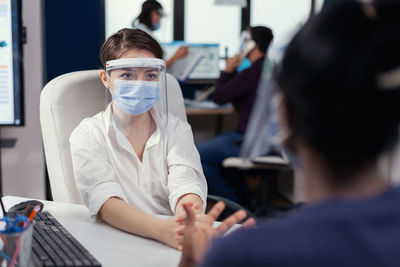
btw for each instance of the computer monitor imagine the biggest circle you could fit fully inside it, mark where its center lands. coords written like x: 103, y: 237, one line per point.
x: 208, y: 67
x: 11, y: 69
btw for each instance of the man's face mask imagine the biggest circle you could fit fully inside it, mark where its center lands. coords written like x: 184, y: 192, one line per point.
x: 135, y: 97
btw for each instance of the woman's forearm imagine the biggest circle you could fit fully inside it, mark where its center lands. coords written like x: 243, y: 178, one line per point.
x: 169, y: 62
x: 126, y: 217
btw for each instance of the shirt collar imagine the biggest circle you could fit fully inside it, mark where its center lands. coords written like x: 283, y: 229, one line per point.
x: 112, y: 128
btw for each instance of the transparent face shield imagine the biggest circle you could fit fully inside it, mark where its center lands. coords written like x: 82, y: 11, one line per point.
x: 138, y: 94
x: 263, y: 136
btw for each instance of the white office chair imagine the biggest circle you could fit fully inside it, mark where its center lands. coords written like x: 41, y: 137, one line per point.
x: 64, y: 103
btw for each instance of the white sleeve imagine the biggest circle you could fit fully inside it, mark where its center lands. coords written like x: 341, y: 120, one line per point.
x: 185, y: 174
x: 94, y: 175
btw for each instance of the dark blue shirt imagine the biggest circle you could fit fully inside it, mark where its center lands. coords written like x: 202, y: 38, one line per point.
x: 335, y: 233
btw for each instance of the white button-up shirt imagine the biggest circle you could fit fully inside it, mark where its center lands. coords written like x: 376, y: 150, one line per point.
x: 106, y: 165
x: 144, y: 28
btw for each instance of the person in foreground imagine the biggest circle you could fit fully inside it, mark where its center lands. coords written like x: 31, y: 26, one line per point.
x: 339, y: 84
x: 135, y: 161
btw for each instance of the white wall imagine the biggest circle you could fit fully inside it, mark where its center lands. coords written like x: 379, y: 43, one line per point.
x: 23, y: 165
x: 206, y: 22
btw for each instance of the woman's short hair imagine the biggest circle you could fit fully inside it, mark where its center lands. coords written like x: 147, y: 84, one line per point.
x: 127, y: 39
x: 341, y: 82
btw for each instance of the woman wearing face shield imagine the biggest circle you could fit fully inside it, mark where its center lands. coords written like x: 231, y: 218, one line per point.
x: 149, y: 20
x: 134, y: 161
x: 339, y: 84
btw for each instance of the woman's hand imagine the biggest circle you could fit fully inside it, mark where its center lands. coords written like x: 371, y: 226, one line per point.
x: 199, y: 231
x: 168, y: 232
x: 180, y: 219
x: 194, y: 199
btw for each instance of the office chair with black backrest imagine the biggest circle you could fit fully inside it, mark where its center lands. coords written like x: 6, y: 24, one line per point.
x: 230, y: 207
x: 64, y: 103
x: 267, y: 168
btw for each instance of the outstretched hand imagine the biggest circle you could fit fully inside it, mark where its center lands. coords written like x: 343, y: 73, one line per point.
x: 198, y: 231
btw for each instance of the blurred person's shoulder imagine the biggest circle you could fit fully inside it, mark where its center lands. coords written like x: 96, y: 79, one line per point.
x: 334, y: 233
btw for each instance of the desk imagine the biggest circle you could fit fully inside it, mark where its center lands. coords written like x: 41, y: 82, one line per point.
x: 110, y: 246
x: 210, y: 111
x: 207, y: 108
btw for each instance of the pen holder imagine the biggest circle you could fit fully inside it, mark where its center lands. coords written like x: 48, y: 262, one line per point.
x: 16, y: 248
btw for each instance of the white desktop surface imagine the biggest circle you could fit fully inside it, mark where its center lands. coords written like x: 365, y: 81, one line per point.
x: 110, y: 246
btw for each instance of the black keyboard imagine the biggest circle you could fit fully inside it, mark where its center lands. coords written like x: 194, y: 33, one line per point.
x: 53, y: 245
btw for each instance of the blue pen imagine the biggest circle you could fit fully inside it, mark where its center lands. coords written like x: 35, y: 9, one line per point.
x: 19, y: 224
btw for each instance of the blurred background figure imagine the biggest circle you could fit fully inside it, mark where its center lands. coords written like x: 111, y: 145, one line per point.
x: 149, y: 20
x: 240, y: 90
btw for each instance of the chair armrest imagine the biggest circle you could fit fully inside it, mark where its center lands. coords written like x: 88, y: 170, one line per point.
x: 231, y: 207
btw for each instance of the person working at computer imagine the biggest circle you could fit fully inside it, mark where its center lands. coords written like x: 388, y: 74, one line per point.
x: 149, y: 20
x: 134, y: 160
x: 239, y: 89
x: 339, y: 84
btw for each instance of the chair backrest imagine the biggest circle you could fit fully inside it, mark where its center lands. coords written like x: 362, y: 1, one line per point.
x: 64, y: 103
x: 230, y: 207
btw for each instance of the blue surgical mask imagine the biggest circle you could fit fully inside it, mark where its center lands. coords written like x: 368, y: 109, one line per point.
x: 156, y: 26
x: 135, y: 97
x: 244, y: 65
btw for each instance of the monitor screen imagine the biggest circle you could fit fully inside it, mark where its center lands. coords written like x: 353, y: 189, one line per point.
x: 208, y: 67
x: 11, y: 82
